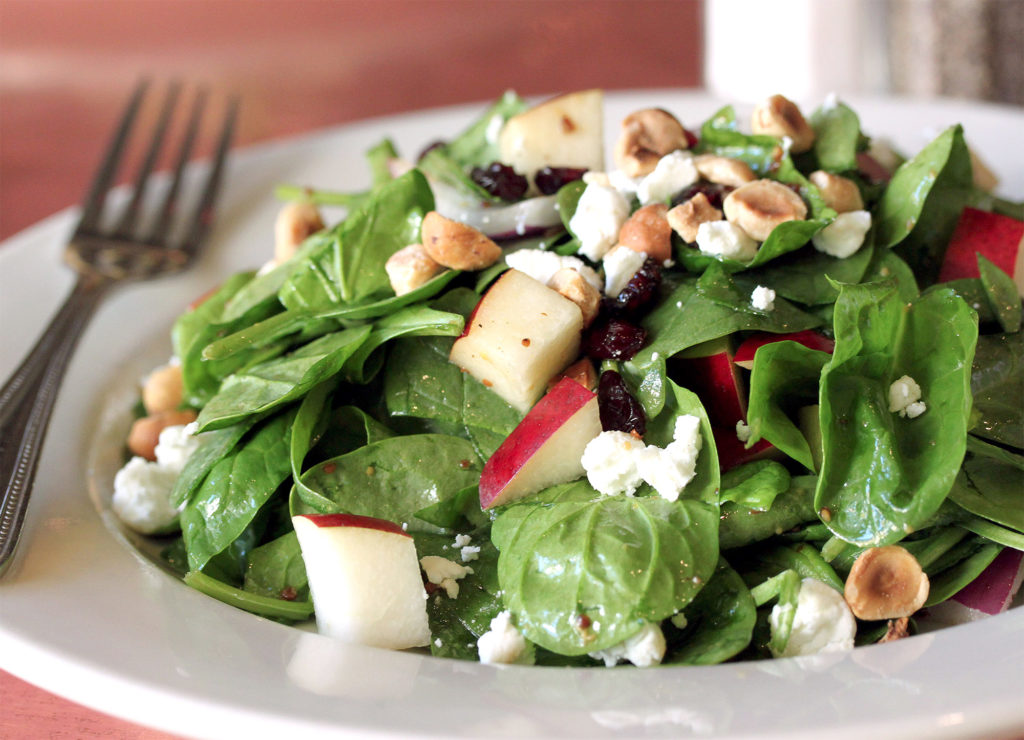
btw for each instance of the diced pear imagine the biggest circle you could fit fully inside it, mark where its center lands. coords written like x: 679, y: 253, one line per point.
x: 567, y: 131
x: 365, y: 580
x: 545, y: 449
x: 520, y: 335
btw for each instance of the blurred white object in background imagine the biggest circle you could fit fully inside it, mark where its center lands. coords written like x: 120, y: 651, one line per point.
x: 803, y: 49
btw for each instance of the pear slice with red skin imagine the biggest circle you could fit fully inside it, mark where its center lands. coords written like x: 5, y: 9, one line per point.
x: 545, y: 448
x: 364, y: 577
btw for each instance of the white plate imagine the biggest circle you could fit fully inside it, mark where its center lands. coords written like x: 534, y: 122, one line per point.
x: 83, y: 615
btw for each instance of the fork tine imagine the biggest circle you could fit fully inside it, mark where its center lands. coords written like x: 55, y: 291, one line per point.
x: 128, y: 218
x: 158, y: 233
x: 203, y: 217
x: 94, y: 199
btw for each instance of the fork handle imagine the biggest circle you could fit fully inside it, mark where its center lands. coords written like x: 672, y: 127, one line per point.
x: 26, y: 402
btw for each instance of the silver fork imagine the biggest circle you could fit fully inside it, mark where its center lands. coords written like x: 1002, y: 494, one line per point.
x: 102, y: 258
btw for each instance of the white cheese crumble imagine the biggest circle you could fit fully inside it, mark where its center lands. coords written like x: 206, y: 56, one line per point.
x: 175, y: 445
x: 625, y: 184
x: 823, y: 622
x: 444, y: 573
x: 644, y: 649
x: 727, y: 240
x: 610, y: 463
x: 469, y: 553
x: 620, y: 264
x: 542, y: 265
x: 845, y: 235
x: 669, y: 470
x: 905, y: 398
x: 673, y: 172
x: 762, y: 298
x: 599, y: 216
x: 142, y: 489
x: 616, y: 462
x: 502, y: 643
x: 742, y: 431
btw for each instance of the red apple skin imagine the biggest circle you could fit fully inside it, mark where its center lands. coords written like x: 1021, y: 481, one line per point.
x: 548, y: 415
x: 716, y: 382
x: 732, y: 452
x: 993, y: 590
x: 355, y: 520
x: 469, y: 319
x: 998, y: 238
x: 744, y: 356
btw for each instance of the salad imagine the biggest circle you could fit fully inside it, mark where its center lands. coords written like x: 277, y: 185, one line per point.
x: 721, y: 395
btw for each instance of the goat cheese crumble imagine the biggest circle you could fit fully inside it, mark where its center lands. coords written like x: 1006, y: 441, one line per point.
x: 617, y: 462
x: 542, y: 265
x: 644, y: 649
x: 599, y: 216
x: 673, y: 172
x: 620, y: 264
x: 905, y: 398
x: 142, y: 489
x: 762, y: 298
x: 502, y: 643
x: 726, y: 240
x: 823, y: 622
x: 444, y: 573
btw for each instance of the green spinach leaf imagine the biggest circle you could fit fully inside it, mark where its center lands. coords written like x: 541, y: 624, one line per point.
x: 719, y: 622
x: 618, y: 560
x: 266, y: 386
x: 235, y: 490
x: 921, y: 206
x: 393, y: 478
x: 883, y: 475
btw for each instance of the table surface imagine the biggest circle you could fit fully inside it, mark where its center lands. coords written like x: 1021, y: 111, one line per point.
x: 66, y: 67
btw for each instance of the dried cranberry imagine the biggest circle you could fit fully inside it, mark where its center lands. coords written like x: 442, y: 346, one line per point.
x: 549, y: 180
x: 691, y: 138
x: 714, y: 192
x: 501, y: 181
x: 429, y: 148
x: 619, y: 410
x: 639, y: 291
x: 614, y: 339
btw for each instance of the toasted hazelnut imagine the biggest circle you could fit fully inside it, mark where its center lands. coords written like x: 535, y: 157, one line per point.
x: 687, y: 217
x: 455, y: 245
x: 760, y: 206
x: 163, y: 389
x: 723, y: 170
x: 647, y: 230
x: 409, y: 268
x: 145, y: 432
x: 582, y: 371
x: 570, y: 284
x: 897, y: 629
x: 778, y: 116
x: 647, y: 136
x: 840, y: 193
x: 295, y: 221
x: 885, y: 583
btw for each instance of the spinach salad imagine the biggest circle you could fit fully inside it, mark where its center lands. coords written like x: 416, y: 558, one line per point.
x: 840, y: 393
